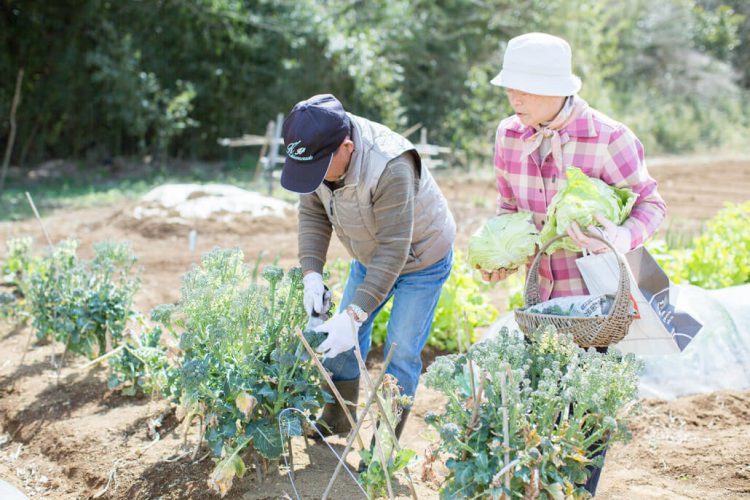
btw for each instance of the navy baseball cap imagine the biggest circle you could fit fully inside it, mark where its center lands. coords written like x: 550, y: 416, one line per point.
x: 312, y: 132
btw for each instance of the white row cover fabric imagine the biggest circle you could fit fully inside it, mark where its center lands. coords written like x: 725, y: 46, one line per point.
x: 718, y: 357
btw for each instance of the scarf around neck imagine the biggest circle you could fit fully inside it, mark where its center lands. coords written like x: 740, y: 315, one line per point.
x: 547, y: 135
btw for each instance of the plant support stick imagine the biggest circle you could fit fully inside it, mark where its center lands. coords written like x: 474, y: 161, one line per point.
x: 325, y: 375
x: 360, y: 421
x: 389, y: 427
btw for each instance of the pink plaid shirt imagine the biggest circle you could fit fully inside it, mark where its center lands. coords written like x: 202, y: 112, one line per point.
x: 600, y: 147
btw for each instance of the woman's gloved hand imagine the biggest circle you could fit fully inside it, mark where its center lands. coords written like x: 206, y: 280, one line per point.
x: 618, y: 236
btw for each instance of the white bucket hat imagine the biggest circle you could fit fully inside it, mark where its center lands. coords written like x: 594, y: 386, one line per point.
x: 540, y: 64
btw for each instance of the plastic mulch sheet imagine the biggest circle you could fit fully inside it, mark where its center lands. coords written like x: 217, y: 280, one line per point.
x: 719, y: 356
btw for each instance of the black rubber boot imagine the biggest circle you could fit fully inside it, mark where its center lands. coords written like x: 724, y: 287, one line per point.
x: 333, y: 416
x: 402, y: 423
x: 596, y: 472
x: 398, y: 430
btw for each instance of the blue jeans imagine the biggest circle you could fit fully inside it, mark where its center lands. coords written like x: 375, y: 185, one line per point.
x: 415, y: 297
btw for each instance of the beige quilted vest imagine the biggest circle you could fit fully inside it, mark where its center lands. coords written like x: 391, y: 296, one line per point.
x: 349, y: 208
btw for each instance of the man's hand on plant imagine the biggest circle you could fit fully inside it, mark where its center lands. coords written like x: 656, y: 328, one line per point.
x: 317, y: 298
x: 617, y: 236
x: 496, y: 274
x: 342, y: 332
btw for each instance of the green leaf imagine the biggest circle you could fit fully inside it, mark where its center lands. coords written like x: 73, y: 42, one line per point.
x: 403, y: 457
x: 267, y: 392
x: 113, y: 381
x: 229, y: 429
x: 291, y: 426
x: 266, y: 439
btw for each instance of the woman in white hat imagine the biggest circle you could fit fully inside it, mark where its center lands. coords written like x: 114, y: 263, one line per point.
x: 552, y: 129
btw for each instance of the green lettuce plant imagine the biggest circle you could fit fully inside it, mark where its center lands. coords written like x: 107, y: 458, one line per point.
x: 720, y: 256
x: 504, y: 242
x: 579, y: 200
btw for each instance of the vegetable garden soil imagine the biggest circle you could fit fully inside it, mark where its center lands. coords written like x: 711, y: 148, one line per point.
x: 77, y: 438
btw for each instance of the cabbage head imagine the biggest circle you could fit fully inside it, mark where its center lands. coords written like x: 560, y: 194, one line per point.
x: 579, y: 200
x: 504, y: 242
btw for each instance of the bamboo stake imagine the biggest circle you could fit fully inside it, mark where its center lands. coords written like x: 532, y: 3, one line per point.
x: 327, y: 377
x: 360, y: 421
x: 389, y: 427
x: 376, y: 436
x: 103, y: 357
x: 291, y: 456
x: 38, y: 218
x: 49, y: 242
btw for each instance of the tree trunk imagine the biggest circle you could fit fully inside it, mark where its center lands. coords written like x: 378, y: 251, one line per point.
x: 12, y: 135
x: 29, y: 142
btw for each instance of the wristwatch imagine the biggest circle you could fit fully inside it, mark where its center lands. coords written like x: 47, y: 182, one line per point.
x: 360, y: 316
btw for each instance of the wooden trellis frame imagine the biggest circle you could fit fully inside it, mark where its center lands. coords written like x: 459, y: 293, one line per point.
x: 270, y: 159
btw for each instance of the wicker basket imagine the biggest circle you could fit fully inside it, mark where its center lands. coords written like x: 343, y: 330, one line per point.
x: 600, y: 331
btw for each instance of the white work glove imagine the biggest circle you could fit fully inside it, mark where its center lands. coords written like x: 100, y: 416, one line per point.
x: 315, y: 295
x: 618, y: 236
x: 343, y: 332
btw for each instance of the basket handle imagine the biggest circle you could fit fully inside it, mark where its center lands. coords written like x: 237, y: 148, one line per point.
x: 621, y: 305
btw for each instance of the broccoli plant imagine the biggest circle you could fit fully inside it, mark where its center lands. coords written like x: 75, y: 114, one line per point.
x: 525, y: 418
x: 84, y: 304
x: 15, y: 275
x: 241, y: 363
x: 141, y: 364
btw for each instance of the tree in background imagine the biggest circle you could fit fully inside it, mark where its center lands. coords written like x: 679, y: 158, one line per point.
x: 166, y: 78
